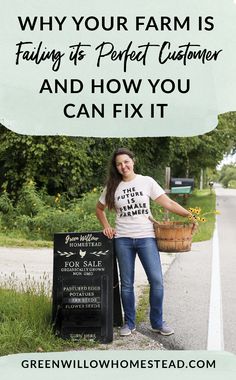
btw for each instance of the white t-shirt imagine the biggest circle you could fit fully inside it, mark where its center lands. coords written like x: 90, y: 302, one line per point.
x: 132, y: 204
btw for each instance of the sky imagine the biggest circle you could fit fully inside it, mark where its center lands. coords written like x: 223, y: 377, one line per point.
x: 229, y: 159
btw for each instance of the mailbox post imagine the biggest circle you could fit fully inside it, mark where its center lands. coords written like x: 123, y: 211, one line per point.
x: 211, y: 184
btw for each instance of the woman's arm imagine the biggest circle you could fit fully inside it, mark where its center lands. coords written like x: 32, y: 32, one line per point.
x: 172, y: 206
x: 100, y: 214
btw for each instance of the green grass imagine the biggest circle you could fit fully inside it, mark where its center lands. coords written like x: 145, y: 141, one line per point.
x: 207, y: 202
x: 14, y: 239
x: 143, y: 306
x: 25, y: 321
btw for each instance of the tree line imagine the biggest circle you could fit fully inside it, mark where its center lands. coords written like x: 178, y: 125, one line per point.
x: 75, y: 165
x: 227, y: 176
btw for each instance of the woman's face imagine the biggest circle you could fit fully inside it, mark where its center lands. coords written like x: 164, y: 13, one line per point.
x: 125, y: 166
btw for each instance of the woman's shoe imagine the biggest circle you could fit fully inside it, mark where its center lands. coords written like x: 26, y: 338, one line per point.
x: 164, y: 330
x: 125, y: 330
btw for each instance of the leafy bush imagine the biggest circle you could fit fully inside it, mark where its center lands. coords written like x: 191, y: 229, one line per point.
x: 232, y: 184
x: 5, y: 203
x: 29, y: 202
x: 227, y: 174
x: 37, y: 215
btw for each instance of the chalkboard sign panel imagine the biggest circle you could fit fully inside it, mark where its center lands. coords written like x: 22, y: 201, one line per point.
x: 83, y: 286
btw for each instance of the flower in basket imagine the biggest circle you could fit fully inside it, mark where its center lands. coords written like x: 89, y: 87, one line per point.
x: 198, y: 216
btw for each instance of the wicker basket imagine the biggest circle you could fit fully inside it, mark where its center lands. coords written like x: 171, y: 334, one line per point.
x: 174, y: 236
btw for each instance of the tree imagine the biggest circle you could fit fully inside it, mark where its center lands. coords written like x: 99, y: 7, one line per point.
x: 75, y: 165
x: 227, y: 174
x: 152, y: 155
x: 190, y: 154
x: 58, y: 163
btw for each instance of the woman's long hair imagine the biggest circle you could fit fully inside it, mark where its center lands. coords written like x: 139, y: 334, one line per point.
x: 114, y: 177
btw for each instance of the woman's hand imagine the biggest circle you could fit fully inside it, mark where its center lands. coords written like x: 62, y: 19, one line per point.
x: 109, y: 232
x: 107, y: 229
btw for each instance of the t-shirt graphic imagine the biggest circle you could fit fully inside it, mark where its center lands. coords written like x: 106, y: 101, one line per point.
x: 132, y: 203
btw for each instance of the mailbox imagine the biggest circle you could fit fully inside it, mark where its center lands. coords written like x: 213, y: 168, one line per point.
x: 179, y: 182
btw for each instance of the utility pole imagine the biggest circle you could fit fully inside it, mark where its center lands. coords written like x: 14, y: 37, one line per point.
x: 167, y: 178
x: 201, y: 179
x: 167, y: 189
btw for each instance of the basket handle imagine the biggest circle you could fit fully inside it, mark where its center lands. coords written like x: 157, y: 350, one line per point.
x: 194, y: 228
x: 153, y: 220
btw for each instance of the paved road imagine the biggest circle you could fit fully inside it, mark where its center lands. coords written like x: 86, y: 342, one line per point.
x: 199, y: 303
x: 186, y: 301
x: 226, y: 203
x: 20, y: 263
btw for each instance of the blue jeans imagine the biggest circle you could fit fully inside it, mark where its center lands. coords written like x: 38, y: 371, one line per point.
x: 146, y: 248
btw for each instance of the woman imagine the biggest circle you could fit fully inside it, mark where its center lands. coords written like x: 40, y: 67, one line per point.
x: 129, y: 195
